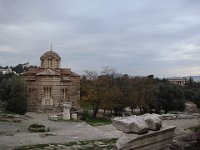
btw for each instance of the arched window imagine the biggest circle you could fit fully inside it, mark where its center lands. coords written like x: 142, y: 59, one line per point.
x: 64, y: 93
x: 47, y: 92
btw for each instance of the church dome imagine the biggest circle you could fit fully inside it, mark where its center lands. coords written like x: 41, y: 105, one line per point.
x: 50, y: 59
x: 50, y: 54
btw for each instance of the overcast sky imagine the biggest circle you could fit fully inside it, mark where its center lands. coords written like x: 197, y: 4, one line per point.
x: 136, y: 37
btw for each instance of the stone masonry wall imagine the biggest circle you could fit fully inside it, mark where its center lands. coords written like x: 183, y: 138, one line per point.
x: 57, y: 85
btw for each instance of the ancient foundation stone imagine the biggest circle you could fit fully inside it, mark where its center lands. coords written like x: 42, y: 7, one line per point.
x: 132, y: 124
x: 74, y: 116
x: 54, y: 118
x: 153, y: 121
x: 153, y: 140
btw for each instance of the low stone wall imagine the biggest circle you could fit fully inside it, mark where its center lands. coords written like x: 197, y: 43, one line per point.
x: 179, y: 116
x: 11, y: 118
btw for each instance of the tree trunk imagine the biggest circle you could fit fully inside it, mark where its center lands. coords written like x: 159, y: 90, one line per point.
x: 95, y: 111
x: 94, y: 114
x: 140, y: 110
x: 132, y: 111
x: 104, y: 112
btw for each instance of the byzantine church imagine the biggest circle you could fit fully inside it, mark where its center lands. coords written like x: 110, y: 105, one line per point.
x: 50, y: 86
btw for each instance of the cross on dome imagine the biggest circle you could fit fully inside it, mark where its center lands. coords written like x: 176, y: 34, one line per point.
x: 51, y: 47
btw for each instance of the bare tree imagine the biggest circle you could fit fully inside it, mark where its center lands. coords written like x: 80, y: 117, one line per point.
x: 91, y: 75
x: 107, y: 70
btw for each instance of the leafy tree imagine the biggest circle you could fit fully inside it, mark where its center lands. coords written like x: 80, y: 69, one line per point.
x: 189, y: 94
x: 91, y: 94
x: 12, y: 93
x: 196, y: 99
x: 110, y: 92
x: 98, y: 91
x: 144, y: 93
x: 4, y: 87
x: 5, y: 90
x: 134, y: 93
x: 132, y: 96
x: 171, y: 97
x: 18, y: 69
x: 151, y: 90
x: 123, y: 85
x: 190, y: 82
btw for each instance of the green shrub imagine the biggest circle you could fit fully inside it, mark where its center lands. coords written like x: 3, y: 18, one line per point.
x: 98, y: 121
x: 13, y: 94
x: 84, y: 115
x: 195, y: 129
x: 38, y: 128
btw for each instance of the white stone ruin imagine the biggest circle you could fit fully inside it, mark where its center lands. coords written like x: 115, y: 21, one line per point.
x: 144, y: 132
x: 66, y: 111
x: 66, y: 115
x: 74, y: 116
x: 131, y: 124
x: 54, y: 118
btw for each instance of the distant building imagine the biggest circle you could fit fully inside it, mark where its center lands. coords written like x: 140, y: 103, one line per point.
x: 177, y: 81
x: 49, y: 86
x: 6, y: 70
x: 25, y: 65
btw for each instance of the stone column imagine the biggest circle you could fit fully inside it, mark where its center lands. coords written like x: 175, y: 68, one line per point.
x: 66, y: 111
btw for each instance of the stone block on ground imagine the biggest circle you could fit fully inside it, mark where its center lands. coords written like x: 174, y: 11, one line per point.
x: 74, y: 116
x: 153, y: 121
x: 153, y: 140
x: 132, y: 124
x: 66, y: 116
x: 54, y: 118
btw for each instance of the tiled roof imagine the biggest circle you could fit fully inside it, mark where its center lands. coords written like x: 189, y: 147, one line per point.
x: 33, y: 71
x: 65, y: 71
x: 75, y: 74
x: 41, y: 71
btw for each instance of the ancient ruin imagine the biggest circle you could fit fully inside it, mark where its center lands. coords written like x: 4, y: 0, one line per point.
x: 50, y: 86
x: 143, y: 133
x: 66, y: 112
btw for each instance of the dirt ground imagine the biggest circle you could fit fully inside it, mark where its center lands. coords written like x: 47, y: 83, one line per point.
x: 14, y: 134
x: 17, y: 134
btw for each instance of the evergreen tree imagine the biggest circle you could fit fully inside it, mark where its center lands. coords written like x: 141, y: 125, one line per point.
x: 12, y: 93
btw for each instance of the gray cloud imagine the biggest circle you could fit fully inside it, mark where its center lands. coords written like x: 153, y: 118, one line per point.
x: 135, y: 37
